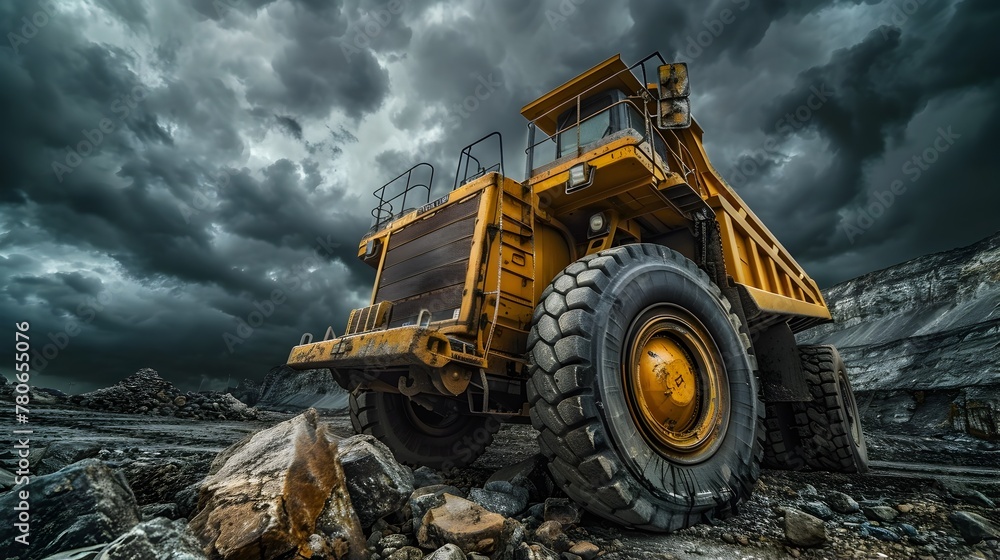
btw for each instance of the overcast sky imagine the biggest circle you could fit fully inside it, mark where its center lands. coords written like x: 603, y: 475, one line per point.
x: 166, y: 166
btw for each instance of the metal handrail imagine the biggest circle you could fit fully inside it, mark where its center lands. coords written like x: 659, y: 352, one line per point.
x: 685, y: 169
x: 466, y: 154
x: 383, y: 211
x: 646, y: 119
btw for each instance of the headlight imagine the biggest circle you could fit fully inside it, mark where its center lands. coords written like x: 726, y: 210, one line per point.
x: 597, y: 222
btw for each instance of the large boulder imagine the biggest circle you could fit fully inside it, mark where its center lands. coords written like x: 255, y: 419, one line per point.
x: 377, y: 483
x: 84, y: 504
x: 281, y: 491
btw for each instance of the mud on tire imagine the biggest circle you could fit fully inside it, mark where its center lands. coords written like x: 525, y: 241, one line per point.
x: 579, y: 402
x: 418, y: 437
x: 830, y: 424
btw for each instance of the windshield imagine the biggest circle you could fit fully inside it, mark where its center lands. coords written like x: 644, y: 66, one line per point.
x: 591, y: 130
x: 600, y: 117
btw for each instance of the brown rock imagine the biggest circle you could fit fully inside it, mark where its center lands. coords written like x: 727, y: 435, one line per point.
x: 550, y: 534
x: 905, y: 508
x: 279, y: 492
x: 585, y: 550
x: 463, y: 523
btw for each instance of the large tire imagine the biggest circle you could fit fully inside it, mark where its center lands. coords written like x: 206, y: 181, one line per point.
x: 783, y: 447
x: 589, y: 390
x: 419, y: 437
x: 830, y: 424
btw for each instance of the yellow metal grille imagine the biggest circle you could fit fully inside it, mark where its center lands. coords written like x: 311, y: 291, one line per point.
x: 368, y: 318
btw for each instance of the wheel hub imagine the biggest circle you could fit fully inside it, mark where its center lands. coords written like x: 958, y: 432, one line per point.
x: 667, y: 384
x: 677, y: 384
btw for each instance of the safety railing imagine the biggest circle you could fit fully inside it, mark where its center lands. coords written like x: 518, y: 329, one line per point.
x: 479, y: 169
x: 686, y: 165
x: 650, y: 133
x: 387, y: 208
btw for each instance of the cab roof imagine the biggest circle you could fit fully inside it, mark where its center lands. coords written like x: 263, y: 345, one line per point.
x: 610, y: 74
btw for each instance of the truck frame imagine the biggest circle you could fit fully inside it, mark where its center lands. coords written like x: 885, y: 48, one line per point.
x: 622, y: 298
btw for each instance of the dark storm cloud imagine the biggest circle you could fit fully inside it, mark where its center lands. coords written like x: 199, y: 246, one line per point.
x: 245, y: 137
x: 135, y: 193
x: 876, y: 89
x: 290, y: 125
x: 331, y: 63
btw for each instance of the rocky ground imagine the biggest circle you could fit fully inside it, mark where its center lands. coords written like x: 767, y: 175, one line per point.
x: 150, y: 470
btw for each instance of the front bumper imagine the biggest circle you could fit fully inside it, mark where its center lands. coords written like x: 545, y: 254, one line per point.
x: 398, y: 347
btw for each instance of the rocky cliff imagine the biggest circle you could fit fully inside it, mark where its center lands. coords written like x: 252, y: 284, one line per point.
x: 927, y: 330
x: 284, y: 388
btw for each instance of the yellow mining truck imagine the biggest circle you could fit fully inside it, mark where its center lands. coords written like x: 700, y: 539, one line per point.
x: 622, y: 297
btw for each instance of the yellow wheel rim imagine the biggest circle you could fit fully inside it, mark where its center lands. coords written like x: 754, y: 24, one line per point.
x: 676, y: 383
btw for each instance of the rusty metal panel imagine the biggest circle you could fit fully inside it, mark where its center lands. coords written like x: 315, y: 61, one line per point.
x: 441, y: 304
x: 427, y: 263
x: 437, y: 248
x: 432, y: 277
x: 442, y: 217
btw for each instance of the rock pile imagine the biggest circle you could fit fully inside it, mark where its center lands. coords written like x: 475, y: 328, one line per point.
x: 145, y: 392
x: 297, y: 490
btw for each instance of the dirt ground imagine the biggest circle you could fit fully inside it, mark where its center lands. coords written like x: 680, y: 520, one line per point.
x: 909, y: 473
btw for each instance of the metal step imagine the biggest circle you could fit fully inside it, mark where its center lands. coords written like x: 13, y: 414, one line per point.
x: 685, y: 198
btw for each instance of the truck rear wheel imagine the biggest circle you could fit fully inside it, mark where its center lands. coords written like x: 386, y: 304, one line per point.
x: 830, y: 424
x: 783, y: 447
x: 642, y: 390
x: 420, y: 437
